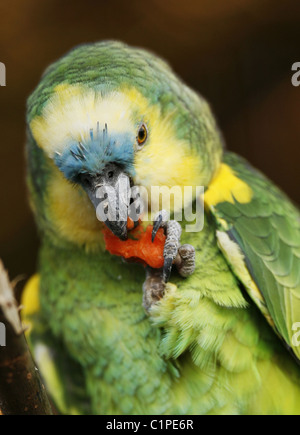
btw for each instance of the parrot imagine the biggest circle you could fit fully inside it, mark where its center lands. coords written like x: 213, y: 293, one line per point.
x: 211, y: 329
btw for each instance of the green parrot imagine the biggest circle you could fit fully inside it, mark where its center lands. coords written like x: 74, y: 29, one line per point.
x: 214, y: 329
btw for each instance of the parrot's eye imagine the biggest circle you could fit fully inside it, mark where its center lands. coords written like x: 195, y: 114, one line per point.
x: 142, y: 134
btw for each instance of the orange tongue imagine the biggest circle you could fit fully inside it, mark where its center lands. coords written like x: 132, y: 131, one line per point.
x: 139, y: 246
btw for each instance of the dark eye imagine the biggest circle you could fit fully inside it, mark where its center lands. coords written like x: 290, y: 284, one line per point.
x: 142, y: 134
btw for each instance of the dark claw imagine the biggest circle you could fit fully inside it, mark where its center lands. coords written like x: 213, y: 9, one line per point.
x: 167, y: 269
x: 156, y: 226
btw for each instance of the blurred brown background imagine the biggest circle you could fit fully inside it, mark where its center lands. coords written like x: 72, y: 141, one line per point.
x: 237, y: 53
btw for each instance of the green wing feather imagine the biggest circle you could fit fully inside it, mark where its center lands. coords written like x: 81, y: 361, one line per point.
x: 267, y: 232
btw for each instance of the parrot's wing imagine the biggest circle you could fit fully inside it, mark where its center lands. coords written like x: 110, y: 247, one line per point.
x: 258, y: 231
x: 63, y: 378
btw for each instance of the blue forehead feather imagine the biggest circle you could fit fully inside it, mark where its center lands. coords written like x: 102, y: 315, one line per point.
x: 101, y: 149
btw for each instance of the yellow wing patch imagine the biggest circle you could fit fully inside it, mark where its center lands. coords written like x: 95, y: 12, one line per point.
x: 30, y: 301
x: 227, y: 187
x: 31, y: 297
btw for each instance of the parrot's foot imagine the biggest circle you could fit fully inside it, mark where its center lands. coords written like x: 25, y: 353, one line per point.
x: 182, y: 256
x: 153, y: 287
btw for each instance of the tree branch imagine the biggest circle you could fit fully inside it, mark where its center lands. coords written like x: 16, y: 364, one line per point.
x: 21, y: 389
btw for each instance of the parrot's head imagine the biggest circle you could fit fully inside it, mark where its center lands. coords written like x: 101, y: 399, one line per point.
x: 108, y: 114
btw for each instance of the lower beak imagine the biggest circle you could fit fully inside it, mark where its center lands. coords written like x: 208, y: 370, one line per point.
x: 109, y: 192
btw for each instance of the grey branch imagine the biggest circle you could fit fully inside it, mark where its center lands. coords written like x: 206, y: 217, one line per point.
x: 21, y: 389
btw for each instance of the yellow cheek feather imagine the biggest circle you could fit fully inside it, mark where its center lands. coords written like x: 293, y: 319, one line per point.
x: 72, y: 213
x: 165, y: 160
x: 227, y: 187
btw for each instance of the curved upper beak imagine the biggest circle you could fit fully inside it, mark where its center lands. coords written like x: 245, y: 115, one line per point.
x: 109, y: 192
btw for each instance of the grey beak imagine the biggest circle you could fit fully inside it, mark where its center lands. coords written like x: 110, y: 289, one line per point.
x: 109, y: 192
